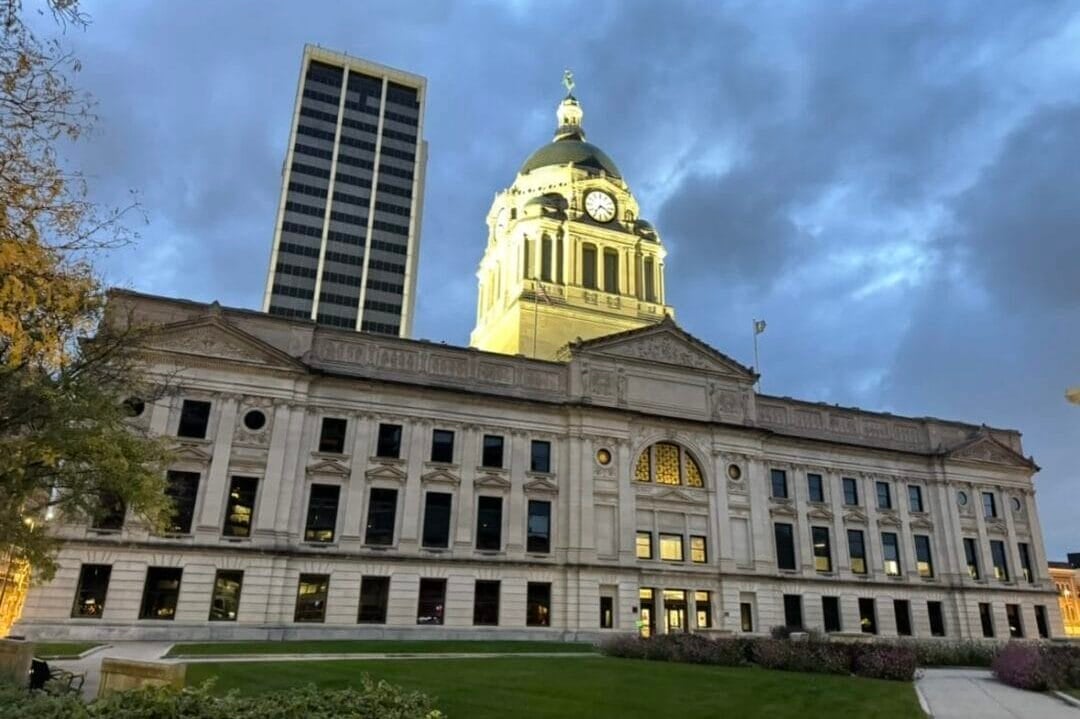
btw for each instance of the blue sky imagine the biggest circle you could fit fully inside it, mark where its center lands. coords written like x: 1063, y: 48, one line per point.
x: 892, y: 185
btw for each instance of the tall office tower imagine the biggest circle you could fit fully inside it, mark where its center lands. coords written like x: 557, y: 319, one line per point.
x: 348, y: 225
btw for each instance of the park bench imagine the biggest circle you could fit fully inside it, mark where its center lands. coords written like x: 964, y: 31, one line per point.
x: 62, y: 680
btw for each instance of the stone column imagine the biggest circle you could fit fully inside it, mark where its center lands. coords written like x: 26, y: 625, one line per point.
x: 762, y: 550
x: 875, y: 556
x: 217, y: 479
x: 515, y: 498
x: 841, y: 556
x: 294, y: 478
x: 627, y: 513
x: 804, y: 545
x: 269, y: 493
x: 986, y: 571
x: 415, y: 441
x: 470, y: 461
x: 1012, y: 545
x: 1039, y: 566
x: 909, y: 566
x: 353, y: 524
x: 721, y: 553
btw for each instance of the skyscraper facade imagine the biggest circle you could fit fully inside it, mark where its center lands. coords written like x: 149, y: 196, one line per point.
x: 347, y: 234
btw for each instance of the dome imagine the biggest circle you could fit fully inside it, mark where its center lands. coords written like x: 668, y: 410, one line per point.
x: 579, y: 152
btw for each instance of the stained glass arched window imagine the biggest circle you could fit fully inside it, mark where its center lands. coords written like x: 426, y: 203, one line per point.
x: 668, y: 463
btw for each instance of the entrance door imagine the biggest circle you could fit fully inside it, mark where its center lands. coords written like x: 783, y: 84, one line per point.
x: 647, y: 621
x: 675, y: 610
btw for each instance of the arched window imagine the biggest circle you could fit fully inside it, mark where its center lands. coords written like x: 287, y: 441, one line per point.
x: 545, y: 259
x: 668, y: 463
x: 588, y: 266
x: 611, y: 271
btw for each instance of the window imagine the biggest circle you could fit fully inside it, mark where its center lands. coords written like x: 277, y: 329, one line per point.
x: 332, y: 436
x: 545, y: 259
x: 698, y: 553
x: 311, y: 593
x: 225, y: 601
x: 746, y: 616
x: 540, y: 457
x: 703, y: 609
x: 182, y: 488
x: 389, y: 442
x: 822, y: 550
x: 538, y: 605
x: 793, y: 611
x: 493, y: 451
x: 986, y: 616
x: 1001, y: 564
x: 923, y: 560
x: 110, y: 513
x: 902, y: 612
x: 432, y: 603
x: 374, y: 598
x: 671, y: 547
x: 611, y: 271
x: 240, y: 507
x: 830, y: 609
x: 489, y: 524
x: 91, y: 590
x: 937, y: 619
x: 588, y: 267
x: 322, y: 513
x: 915, y: 502
x: 538, y: 527
x: 1025, y: 562
x: 194, y: 419
x: 785, y: 546
x: 486, y: 604
x: 668, y: 463
x: 1016, y: 627
x: 644, y: 545
x: 779, y: 483
x: 867, y: 616
x: 884, y: 495
x: 851, y: 491
x: 607, y: 613
x: 160, y: 593
x: 989, y: 505
x: 650, y: 280
x: 442, y: 446
x: 891, y: 549
x: 972, y: 555
x: 382, y: 511
x: 437, y: 519
x: 857, y: 550
x: 815, y: 488
x: 1040, y: 621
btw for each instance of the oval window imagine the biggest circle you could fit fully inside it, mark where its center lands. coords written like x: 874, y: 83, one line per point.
x: 255, y: 419
x: 962, y: 498
x: 603, y: 457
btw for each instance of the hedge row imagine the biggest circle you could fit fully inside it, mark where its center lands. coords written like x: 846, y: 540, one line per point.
x: 1039, y: 667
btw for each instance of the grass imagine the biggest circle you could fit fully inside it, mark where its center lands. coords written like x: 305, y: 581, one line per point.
x: 1073, y: 692
x: 595, y: 687
x: 372, y: 646
x: 62, y: 650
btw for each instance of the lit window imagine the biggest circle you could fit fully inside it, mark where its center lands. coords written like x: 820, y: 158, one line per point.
x: 671, y: 547
x: 891, y: 547
x: 822, y: 550
x: 667, y: 463
x: 703, y: 609
x: 644, y: 545
x: 225, y: 601
x: 698, y: 555
x: 922, y: 556
x: 91, y: 591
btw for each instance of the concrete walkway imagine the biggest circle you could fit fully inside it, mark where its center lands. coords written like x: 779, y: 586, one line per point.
x: 91, y: 663
x: 966, y: 693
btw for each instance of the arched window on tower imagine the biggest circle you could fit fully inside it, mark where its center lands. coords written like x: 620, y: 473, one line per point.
x: 559, y: 261
x: 650, y: 280
x: 545, y: 259
x: 668, y: 463
x: 611, y: 271
x: 588, y: 266
x: 527, y: 263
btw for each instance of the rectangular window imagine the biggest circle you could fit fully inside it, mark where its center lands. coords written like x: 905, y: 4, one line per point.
x: 486, y: 603
x: 489, y: 524
x: 91, y: 590
x: 538, y: 605
x: 884, y: 495
x: 332, y: 436
x: 644, y: 545
x: 540, y: 457
x: 972, y: 555
x: 225, y: 601
x: 493, y: 451
x: 867, y: 616
x: 1001, y: 564
x: 1025, y: 562
x: 382, y: 513
x: 431, y: 607
x: 851, y: 491
x: 671, y: 547
x: 611, y: 271
x: 588, y: 267
x: 110, y: 513
x: 607, y: 612
x: 857, y: 550
x: 374, y: 598
x: 182, y: 488
x: 698, y: 553
x: 322, y: 513
x: 437, y: 507
x: 194, y: 419
x: 915, y: 502
x: 703, y: 609
x: 1040, y: 621
x: 822, y: 549
x: 240, y: 507
x: 937, y: 619
x: 815, y: 488
x: 160, y: 593
x: 778, y: 478
x: 923, y: 560
x: 989, y: 505
x: 389, y: 442
x: 1016, y: 626
x: 785, y: 546
x: 538, y: 527
x: 986, y: 617
x: 902, y: 612
x: 442, y: 446
x: 545, y: 259
x: 650, y: 280
x: 311, y: 593
x: 746, y: 616
x: 830, y: 609
x: 890, y: 547
x: 793, y: 611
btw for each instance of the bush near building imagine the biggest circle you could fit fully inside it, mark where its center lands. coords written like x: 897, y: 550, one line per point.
x: 1039, y: 667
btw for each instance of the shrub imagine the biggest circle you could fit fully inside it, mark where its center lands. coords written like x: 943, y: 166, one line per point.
x: 780, y: 631
x: 624, y: 646
x: 688, y: 648
x: 804, y: 656
x: 1021, y: 665
x: 953, y: 653
x: 883, y: 661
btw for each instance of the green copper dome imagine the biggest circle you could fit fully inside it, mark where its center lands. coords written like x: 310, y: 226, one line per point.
x: 579, y: 152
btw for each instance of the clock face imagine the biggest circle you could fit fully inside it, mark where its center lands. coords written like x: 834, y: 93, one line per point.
x: 502, y: 220
x: 600, y: 206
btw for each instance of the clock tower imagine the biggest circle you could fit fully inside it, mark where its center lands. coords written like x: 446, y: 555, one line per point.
x: 568, y: 255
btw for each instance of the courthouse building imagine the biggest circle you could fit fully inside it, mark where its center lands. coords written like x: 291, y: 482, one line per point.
x: 587, y: 467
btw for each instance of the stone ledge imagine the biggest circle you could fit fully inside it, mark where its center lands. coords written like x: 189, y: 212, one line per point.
x: 123, y: 674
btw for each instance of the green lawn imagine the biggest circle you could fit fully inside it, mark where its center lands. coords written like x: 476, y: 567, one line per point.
x: 1073, y: 692
x: 595, y: 687
x: 62, y: 650
x: 372, y: 646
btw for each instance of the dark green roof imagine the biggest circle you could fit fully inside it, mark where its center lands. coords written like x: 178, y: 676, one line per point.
x: 562, y: 152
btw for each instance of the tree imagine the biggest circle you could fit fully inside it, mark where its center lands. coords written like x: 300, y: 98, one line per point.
x: 68, y: 447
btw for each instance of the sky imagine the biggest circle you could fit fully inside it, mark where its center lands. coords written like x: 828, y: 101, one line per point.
x: 891, y: 185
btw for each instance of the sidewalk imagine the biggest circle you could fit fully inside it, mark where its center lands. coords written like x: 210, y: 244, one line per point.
x: 966, y: 693
x: 91, y: 664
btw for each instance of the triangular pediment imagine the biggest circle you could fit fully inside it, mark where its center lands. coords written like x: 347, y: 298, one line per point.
x: 492, y: 480
x: 192, y: 453
x: 386, y: 471
x: 328, y: 466
x: 441, y: 476
x: 783, y: 509
x: 888, y: 520
x: 984, y: 448
x: 673, y: 495
x: 215, y: 337
x: 820, y: 513
x: 855, y: 516
x: 921, y: 523
x: 542, y: 485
